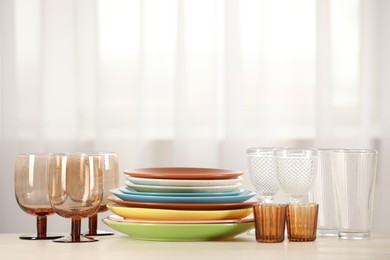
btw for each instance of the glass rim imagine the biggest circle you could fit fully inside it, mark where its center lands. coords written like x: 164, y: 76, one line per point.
x: 36, y: 154
x: 295, y: 152
x: 328, y: 149
x: 270, y: 205
x: 101, y: 153
x: 356, y: 151
x: 303, y: 204
x: 89, y: 153
x: 259, y: 149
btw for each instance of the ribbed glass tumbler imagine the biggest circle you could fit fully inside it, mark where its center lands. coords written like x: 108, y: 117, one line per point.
x: 302, y: 221
x: 354, y: 174
x: 269, y: 222
x: 323, y: 194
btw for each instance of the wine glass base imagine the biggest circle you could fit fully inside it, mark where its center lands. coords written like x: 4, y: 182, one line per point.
x: 98, y: 233
x: 69, y: 239
x: 35, y: 237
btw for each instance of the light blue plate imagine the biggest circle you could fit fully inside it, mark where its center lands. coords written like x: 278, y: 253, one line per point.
x: 129, y: 190
x: 245, y: 195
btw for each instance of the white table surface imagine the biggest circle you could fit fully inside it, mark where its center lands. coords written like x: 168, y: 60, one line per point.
x: 243, y: 247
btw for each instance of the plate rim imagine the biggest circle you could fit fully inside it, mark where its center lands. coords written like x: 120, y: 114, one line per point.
x: 117, y: 218
x: 183, y: 189
x: 179, y: 194
x: 192, y: 173
x: 247, y: 194
x: 212, y: 231
x: 175, y: 214
x: 170, y: 205
x: 182, y: 182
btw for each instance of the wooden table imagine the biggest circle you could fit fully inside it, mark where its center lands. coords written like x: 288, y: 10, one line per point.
x: 242, y: 248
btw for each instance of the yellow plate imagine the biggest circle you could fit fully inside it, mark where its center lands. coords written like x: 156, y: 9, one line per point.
x: 171, y: 214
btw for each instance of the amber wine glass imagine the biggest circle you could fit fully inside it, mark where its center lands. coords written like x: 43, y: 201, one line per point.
x: 110, y: 181
x: 76, y: 189
x: 31, y: 191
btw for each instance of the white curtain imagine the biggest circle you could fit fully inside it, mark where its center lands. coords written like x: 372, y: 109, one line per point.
x: 191, y: 82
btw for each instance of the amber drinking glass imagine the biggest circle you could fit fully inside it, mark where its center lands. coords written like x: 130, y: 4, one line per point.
x: 76, y: 189
x: 31, y: 191
x: 110, y: 181
x: 269, y: 222
x: 302, y: 222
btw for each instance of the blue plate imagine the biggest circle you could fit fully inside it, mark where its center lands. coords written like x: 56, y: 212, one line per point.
x: 128, y: 190
x: 245, y: 195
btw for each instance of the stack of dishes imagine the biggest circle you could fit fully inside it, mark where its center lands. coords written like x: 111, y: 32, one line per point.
x: 181, y: 204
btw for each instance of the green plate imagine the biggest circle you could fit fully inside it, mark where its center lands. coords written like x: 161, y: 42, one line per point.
x: 180, y: 231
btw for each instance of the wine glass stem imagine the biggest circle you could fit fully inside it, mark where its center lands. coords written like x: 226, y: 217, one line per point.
x: 92, y: 224
x: 267, y: 199
x: 41, y: 226
x: 295, y: 200
x: 76, y: 229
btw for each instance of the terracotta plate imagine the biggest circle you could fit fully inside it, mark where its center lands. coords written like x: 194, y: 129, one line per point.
x: 183, y: 173
x: 183, y: 182
x: 161, y: 205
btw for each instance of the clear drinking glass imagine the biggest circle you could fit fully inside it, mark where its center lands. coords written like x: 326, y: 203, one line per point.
x: 354, y: 173
x: 31, y: 191
x: 262, y: 173
x: 75, y: 189
x: 323, y: 194
x: 295, y: 171
x: 110, y: 181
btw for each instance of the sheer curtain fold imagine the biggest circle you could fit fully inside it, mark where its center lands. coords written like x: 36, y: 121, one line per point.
x: 324, y: 123
x: 8, y: 70
x: 192, y: 83
x: 381, y: 206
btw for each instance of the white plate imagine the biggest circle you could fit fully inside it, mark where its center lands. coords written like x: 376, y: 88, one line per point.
x: 183, y: 182
x: 170, y: 189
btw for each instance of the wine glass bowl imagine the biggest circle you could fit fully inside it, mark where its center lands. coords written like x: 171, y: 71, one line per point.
x: 296, y: 170
x: 110, y: 181
x: 75, y: 189
x: 261, y: 167
x: 31, y: 191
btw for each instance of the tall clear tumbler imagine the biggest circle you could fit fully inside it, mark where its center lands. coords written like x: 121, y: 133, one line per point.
x: 323, y: 194
x: 354, y: 173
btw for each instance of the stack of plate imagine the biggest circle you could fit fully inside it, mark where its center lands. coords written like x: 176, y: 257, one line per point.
x: 181, y: 204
